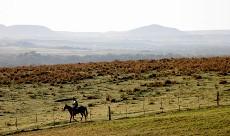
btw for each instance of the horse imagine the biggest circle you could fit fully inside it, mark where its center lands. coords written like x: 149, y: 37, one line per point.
x: 73, y: 111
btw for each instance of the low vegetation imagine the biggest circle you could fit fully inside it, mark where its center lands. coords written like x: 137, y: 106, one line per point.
x: 73, y: 73
x: 35, y: 95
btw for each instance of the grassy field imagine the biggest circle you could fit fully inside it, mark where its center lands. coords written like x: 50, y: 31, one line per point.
x: 127, y: 87
x: 210, y: 122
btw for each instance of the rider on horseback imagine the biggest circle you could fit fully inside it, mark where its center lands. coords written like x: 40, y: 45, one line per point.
x: 75, y: 103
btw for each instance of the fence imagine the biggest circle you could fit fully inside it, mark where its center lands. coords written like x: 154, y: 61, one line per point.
x: 111, y: 111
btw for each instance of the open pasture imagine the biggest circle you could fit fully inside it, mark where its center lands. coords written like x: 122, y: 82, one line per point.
x: 30, y: 95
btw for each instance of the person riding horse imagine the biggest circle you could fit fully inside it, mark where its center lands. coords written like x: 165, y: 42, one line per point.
x: 75, y: 103
x: 72, y: 111
x: 76, y: 110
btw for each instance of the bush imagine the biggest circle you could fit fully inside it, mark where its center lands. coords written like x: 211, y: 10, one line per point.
x: 151, y: 103
x: 167, y: 89
x: 197, y: 76
x: 124, y: 96
x: 152, y: 75
x: 33, y: 96
x: 93, y: 97
x: 155, y: 84
x: 158, y: 93
x: 108, y: 97
x: 134, y: 98
x: 113, y: 100
x: 168, y: 82
x: 130, y: 92
x: 223, y: 82
x: 136, y: 89
x: 91, y: 104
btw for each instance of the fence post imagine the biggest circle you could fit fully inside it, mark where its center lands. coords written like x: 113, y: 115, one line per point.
x: 169, y: 100
x: 144, y: 106
x: 90, y: 114
x: 217, y: 98
x: 178, y: 103
x: 36, y: 120
x: 162, y: 109
x: 53, y: 118
x: 198, y: 98
x: 109, y: 112
x: 16, y: 123
x: 126, y: 109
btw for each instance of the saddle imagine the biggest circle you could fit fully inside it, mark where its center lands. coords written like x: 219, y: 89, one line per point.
x: 75, y: 107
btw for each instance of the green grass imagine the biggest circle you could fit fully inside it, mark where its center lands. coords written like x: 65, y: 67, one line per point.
x: 210, y: 122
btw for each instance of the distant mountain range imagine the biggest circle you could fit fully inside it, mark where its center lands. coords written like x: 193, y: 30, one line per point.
x: 150, y: 32
x: 147, y: 40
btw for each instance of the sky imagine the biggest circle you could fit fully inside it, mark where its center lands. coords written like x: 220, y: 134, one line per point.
x: 116, y: 15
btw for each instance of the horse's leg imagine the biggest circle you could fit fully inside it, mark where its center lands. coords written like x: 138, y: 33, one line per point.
x: 86, y: 113
x: 73, y: 114
x: 74, y: 118
x: 70, y: 119
x: 81, y: 116
x: 85, y: 116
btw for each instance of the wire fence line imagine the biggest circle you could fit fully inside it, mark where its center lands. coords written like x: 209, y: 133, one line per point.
x: 111, y: 111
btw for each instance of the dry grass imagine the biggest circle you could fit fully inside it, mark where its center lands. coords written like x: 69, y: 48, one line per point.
x: 127, y: 91
x: 72, y: 73
x: 25, y: 101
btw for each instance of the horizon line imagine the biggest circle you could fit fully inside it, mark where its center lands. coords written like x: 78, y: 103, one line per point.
x: 50, y: 28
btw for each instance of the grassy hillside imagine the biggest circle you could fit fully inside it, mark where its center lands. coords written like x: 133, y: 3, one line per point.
x: 33, y: 93
x: 210, y: 122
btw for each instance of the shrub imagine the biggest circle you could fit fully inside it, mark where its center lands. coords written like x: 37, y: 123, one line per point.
x: 93, y: 97
x: 167, y: 89
x: 152, y: 75
x: 136, y: 89
x: 134, y: 98
x: 113, y: 100
x: 108, y: 97
x: 151, y: 103
x: 91, y: 104
x: 129, y: 92
x: 197, y: 76
x: 158, y: 93
x: 155, y: 84
x: 33, y: 96
x: 124, y: 96
x: 168, y: 82
x: 223, y: 82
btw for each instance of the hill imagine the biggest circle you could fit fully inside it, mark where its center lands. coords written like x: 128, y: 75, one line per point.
x: 204, y: 122
x: 33, y: 97
x: 72, y: 47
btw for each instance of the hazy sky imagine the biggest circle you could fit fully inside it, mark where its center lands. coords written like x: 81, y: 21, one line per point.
x: 106, y: 15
